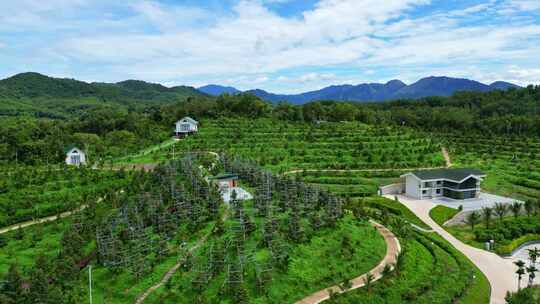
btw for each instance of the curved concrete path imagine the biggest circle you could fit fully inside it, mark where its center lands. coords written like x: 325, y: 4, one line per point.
x: 499, y: 271
x: 393, y: 248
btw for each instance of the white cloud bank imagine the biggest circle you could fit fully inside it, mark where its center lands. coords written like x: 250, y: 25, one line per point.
x: 252, y: 45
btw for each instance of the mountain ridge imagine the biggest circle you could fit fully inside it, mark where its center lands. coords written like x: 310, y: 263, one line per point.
x: 376, y: 92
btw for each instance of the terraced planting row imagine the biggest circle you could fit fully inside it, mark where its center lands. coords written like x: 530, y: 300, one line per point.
x: 429, y: 271
x: 28, y: 193
x: 283, y: 146
x: 351, y: 184
x: 512, y: 164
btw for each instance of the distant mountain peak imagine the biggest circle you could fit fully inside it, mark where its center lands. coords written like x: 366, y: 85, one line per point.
x: 216, y: 90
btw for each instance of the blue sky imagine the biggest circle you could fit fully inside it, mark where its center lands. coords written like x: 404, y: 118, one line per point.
x: 283, y: 46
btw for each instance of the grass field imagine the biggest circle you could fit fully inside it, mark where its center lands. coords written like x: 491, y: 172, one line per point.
x: 29, y: 193
x: 441, y: 214
x: 22, y: 247
x: 508, y: 233
x: 431, y: 272
x: 330, y: 257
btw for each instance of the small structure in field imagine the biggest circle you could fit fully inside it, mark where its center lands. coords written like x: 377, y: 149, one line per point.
x: 225, y: 181
x: 228, y: 184
x: 458, y: 184
x: 186, y: 126
x: 75, y: 156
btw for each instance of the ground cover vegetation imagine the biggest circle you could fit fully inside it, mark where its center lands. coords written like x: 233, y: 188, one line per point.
x: 511, y: 162
x: 428, y: 271
x: 441, y: 214
x: 509, y: 226
x: 28, y: 193
x: 159, y: 219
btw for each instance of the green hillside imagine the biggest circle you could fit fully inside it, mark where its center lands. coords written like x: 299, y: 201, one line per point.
x: 38, y: 95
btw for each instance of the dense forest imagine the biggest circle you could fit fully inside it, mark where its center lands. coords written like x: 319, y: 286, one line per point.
x: 42, y: 115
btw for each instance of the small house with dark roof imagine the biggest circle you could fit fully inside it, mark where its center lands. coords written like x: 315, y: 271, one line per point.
x: 458, y: 184
x: 186, y: 126
x: 75, y: 156
x: 225, y: 181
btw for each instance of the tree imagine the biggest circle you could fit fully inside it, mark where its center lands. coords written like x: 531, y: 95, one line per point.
x: 524, y: 296
x: 487, y: 214
x: 516, y: 209
x: 472, y: 219
x: 529, y: 207
x: 533, y: 255
x: 368, y: 280
x: 12, y: 289
x: 520, y: 272
x: 500, y: 210
x: 531, y: 270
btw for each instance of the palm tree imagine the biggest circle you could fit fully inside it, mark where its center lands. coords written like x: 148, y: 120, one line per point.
x: 473, y: 218
x: 516, y: 208
x: 529, y: 207
x: 500, y: 210
x: 520, y: 272
x: 531, y: 270
x: 368, y: 280
x: 533, y: 255
x: 488, y: 213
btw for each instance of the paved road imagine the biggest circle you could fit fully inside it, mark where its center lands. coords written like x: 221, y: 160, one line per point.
x: 392, y: 250
x: 499, y: 271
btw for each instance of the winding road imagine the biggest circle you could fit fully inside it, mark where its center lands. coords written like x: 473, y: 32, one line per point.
x: 500, y: 272
x: 393, y: 248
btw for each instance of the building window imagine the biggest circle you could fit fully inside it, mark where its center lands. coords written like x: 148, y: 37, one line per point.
x: 438, y: 191
x: 439, y: 182
x: 424, y: 191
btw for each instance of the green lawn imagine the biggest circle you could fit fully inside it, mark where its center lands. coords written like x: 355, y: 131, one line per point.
x: 432, y: 272
x: 394, y: 207
x: 441, y: 214
x: 508, y: 233
x: 331, y: 256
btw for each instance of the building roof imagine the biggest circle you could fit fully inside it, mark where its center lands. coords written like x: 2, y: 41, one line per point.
x: 450, y: 174
x: 191, y: 120
x: 224, y: 176
x: 68, y: 149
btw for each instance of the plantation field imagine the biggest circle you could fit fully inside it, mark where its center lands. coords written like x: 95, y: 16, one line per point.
x: 22, y: 247
x: 330, y: 257
x: 429, y: 271
x: 512, y: 164
x: 30, y: 193
x: 284, y: 146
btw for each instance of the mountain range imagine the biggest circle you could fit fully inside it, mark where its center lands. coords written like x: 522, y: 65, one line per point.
x: 373, y: 92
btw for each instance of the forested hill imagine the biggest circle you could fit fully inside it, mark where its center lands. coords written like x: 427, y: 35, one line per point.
x: 39, y: 95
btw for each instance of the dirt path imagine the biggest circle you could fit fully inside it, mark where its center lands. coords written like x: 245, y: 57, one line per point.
x: 140, y: 299
x: 499, y: 271
x: 41, y: 220
x: 357, y: 170
x: 446, y: 156
x: 392, y: 250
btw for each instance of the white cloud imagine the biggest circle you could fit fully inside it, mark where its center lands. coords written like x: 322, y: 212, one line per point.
x: 252, y: 45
